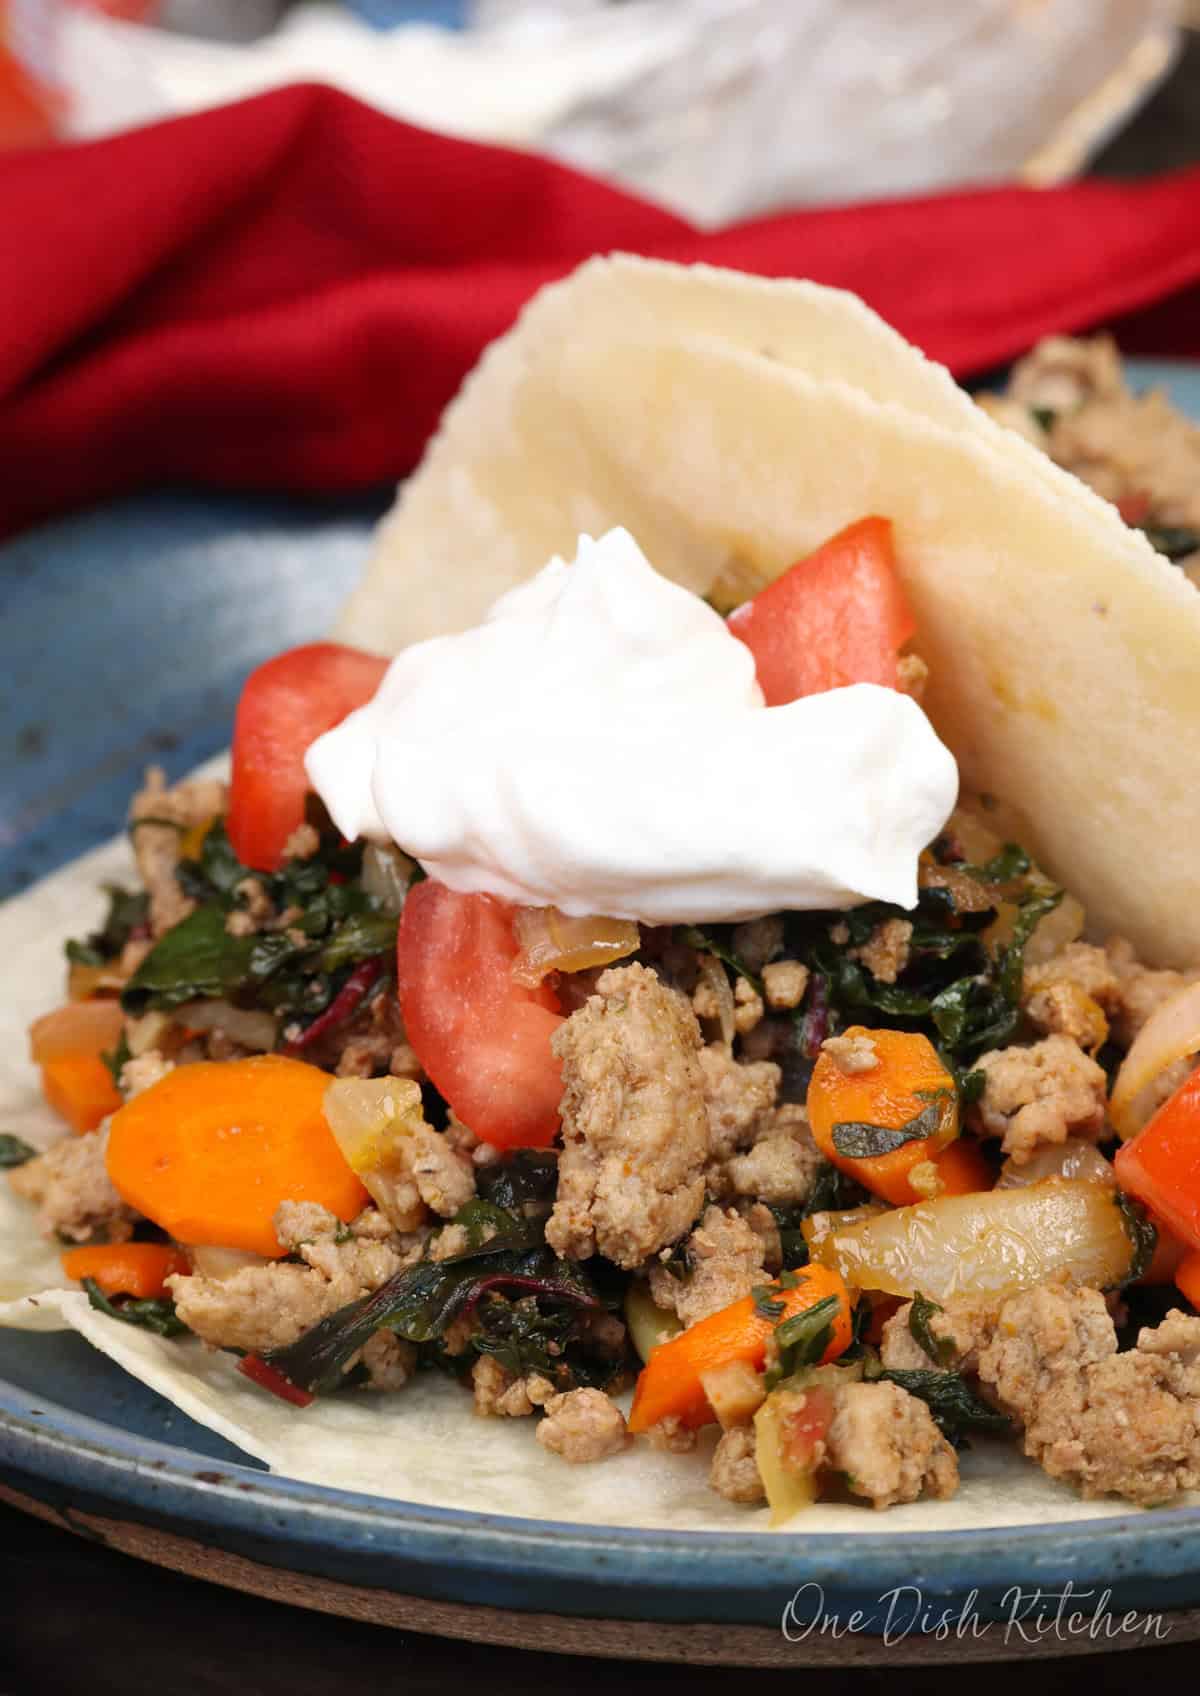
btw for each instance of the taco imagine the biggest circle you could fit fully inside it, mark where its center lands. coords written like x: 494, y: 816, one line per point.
x: 637, y: 1004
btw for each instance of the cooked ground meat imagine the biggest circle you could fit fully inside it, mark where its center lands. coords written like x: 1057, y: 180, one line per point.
x: 71, y: 1188
x: 390, y: 1361
x: 269, y: 1306
x: 737, y: 1097
x: 582, y: 1426
x: 1070, y: 397
x: 143, y: 1071
x: 158, y: 818
x: 725, y: 1258
x: 886, y: 1445
x: 885, y: 954
x: 748, y: 1006
x: 734, y: 1470
x: 672, y: 1436
x: 785, y: 982
x: 635, y: 1129
x: 302, y: 844
x: 912, y: 674
x: 969, y: 1326
x: 1124, y: 1424
x: 1139, y: 989
x: 1072, y: 995
x: 851, y: 1054
x: 499, y: 1395
x: 781, y: 1164
x: 1042, y: 1094
x: 372, y: 1044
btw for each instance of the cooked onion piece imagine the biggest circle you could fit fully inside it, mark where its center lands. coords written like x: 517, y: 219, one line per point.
x: 1171, y: 1033
x: 990, y: 1243
x: 1071, y: 1159
x: 551, y: 942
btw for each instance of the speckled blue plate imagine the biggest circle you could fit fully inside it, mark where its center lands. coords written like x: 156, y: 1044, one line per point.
x: 126, y: 635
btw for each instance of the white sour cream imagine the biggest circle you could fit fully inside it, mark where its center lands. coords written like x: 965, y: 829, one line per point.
x: 600, y: 744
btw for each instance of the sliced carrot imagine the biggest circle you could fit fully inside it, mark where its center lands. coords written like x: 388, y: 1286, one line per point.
x: 126, y: 1269
x: 1161, y: 1164
x: 670, y: 1382
x: 962, y: 1168
x: 1187, y: 1277
x: 81, y: 1027
x: 211, y: 1150
x: 80, y: 1088
x: 906, y: 1084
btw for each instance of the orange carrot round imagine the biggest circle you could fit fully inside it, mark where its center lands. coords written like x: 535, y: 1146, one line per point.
x: 211, y: 1150
x: 79, y: 1027
x: 80, y: 1089
x: 906, y: 1085
x: 126, y: 1269
x: 1187, y: 1277
x: 962, y: 1169
x: 670, y: 1381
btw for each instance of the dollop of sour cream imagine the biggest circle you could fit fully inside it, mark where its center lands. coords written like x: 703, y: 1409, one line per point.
x: 599, y: 744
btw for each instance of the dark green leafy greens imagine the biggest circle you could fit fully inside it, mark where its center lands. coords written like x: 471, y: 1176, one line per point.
x: 298, y: 971
x: 955, y: 1407
x: 155, y: 1314
x: 1175, y: 541
x: 941, y: 1350
x: 1142, y: 1232
x: 713, y: 939
x: 801, y: 1340
x: 14, y: 1151
x: 858, y: 1141
x: 532, y: 1311
x: 128, y: 912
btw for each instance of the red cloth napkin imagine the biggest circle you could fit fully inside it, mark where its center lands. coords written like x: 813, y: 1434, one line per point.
x: 284, y: 293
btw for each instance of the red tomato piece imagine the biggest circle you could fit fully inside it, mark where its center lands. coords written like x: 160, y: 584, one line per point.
x: 835, y: 618
x: 483, y: 1039
x: 1161, y: 1165
x: 286, y: 704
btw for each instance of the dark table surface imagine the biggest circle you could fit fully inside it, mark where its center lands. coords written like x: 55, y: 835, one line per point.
x: 78, y: 1619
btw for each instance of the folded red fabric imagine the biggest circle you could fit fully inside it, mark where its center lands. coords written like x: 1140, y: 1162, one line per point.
x: 284, y: 293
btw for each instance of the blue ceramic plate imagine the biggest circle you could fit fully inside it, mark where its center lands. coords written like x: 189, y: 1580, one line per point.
x: 183, y: 595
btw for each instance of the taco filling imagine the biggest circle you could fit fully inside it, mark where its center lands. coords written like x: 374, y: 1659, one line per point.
x: 799, y: 1104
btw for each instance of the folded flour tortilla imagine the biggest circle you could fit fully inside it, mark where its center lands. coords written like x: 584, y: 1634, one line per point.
x: 733, y: 424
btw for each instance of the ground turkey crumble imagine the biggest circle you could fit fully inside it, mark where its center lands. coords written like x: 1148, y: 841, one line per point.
x: 1125, y: 1424
x: 266, y: 1307
x: 1038, y: 1095
x: 724, y: 1256
x: 73, y: 1193
x: 634, y: 1125
x: 582, y: 1426
x: 885, y: 1444
x: 159, y: 818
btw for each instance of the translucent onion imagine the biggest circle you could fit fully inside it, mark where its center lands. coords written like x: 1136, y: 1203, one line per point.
x: 648, y: 1323
x: 251, y: 1027
x: 988, y: 1244
x: 712, y: 972
x: 208, y: 1261
x: 386, y: 874
x: 92, y: 1027
x: 1170, y: 1034
x: 370, y: 1119
x: 1071, y: 1159
x: 551, y: 942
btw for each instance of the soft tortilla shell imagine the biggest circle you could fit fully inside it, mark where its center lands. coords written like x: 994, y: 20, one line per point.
x: 1063, y: 651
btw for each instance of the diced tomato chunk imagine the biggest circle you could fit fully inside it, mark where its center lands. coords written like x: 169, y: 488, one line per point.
x: 838, y: 617
x: 1161, y: 1165
x: 483, y: 1039
x: 285, y: 705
